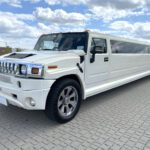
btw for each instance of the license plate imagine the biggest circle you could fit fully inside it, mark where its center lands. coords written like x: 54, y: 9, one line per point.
x: 3, y: 101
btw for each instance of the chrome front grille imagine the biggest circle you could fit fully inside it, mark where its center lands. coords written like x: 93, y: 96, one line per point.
x: 8, y: 67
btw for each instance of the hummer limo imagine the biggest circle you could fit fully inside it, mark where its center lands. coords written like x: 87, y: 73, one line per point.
x: 66, y: 68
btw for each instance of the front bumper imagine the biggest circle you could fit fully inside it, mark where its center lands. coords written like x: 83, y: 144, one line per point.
x: 30, y: 94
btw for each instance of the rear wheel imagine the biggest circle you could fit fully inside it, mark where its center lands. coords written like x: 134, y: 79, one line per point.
x: 64, y: 100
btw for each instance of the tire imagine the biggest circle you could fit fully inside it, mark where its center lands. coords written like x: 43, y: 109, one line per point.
x: 64, y: 100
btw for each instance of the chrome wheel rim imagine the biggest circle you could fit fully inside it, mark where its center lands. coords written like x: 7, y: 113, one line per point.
x: 67, y: 101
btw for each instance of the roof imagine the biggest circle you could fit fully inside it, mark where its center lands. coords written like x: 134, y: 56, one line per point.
x: 119, y: 38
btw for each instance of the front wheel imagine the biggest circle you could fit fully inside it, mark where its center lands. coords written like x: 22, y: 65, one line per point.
x: 64, y: 100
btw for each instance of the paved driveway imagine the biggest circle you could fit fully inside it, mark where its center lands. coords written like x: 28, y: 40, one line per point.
x: 117, y: 119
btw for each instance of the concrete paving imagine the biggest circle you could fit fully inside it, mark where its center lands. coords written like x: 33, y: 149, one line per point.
x: 115, y: 120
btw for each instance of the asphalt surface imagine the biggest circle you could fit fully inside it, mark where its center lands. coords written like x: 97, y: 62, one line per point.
x: 115, y: 120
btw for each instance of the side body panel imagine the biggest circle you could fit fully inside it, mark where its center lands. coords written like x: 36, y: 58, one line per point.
x: 121, y: 69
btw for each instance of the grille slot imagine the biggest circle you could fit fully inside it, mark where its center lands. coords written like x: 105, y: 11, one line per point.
x: 8, y: 67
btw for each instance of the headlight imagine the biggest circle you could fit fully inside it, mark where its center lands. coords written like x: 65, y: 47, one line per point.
x: 31, y: 70
x: 23, y: 70
x: 36, y: 70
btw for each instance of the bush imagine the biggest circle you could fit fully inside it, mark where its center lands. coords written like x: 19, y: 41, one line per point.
x: 5, y: 50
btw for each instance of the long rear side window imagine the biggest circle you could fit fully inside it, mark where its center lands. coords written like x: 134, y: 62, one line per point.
x: 128, y: 47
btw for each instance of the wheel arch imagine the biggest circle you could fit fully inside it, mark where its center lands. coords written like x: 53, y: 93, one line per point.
x: 74, y: 77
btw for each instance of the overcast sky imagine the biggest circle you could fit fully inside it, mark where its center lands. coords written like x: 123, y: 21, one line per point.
x: 23, y: 21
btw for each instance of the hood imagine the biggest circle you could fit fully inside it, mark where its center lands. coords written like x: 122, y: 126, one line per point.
x: 43, y: 56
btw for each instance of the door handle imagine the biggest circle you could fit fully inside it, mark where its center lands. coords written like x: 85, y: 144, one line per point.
x: 106, y: 59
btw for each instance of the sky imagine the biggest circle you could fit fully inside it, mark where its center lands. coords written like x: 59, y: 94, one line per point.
x: 23, y: 21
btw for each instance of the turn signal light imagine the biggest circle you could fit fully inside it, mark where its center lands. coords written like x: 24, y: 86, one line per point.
x: 35, y: 70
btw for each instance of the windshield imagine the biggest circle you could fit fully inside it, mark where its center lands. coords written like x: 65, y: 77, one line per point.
x: 62, y: 42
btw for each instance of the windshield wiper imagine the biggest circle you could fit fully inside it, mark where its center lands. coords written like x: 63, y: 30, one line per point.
x: 54, y: 49
x: 46, y: 49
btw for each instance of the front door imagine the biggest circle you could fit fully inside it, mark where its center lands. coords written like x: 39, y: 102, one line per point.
x: 97, y: 65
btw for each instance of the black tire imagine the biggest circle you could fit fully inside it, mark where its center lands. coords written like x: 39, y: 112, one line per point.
x: 52, y: 110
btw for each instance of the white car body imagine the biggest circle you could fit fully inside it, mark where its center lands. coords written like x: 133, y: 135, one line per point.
x: 94, y: 78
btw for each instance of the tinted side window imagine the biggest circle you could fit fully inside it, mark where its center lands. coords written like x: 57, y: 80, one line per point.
x: 127, y: 47
x: 99, y: 43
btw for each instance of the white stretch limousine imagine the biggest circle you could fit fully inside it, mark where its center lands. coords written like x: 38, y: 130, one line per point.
x: 65, y: 68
